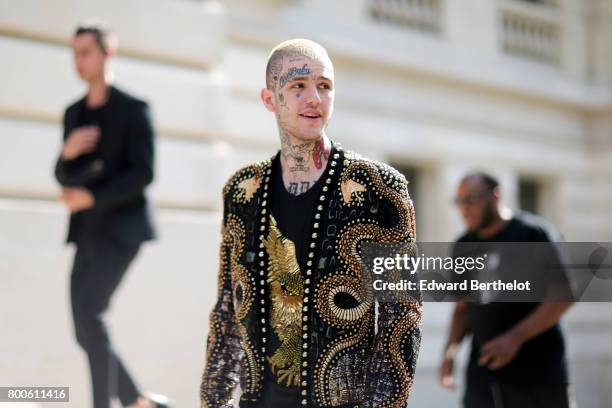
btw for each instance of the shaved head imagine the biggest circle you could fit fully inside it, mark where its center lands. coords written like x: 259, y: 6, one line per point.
x: 489, y: 182
x: 291, y: 49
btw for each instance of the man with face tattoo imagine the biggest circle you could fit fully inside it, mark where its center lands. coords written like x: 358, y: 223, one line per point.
x: 293, y: 325
x: 517, y: 356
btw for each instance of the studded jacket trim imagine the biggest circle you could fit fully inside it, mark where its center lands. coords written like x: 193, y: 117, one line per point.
x: 355, y: 351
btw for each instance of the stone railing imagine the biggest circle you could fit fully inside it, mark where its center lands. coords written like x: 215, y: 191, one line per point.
x: 531, y: 29
x: 420, y: 14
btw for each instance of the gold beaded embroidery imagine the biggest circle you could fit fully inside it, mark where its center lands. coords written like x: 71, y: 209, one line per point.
x: 357, y: 177
x: 352, y: 189
x: 243, y: 299
x: 241, y: 287
x: 247, y: 188
x: 246, y: 182
x: 340, y: 374
x: 286, y: 294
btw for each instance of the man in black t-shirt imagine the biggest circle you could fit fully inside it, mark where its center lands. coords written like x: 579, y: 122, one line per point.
x: 517, y: 357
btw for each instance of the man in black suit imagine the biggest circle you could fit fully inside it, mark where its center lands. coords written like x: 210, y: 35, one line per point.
x: 105, y: 164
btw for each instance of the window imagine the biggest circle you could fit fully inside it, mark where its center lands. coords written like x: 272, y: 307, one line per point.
x: 418, y: 14
x: 532, y: 29
x: 529, y: 195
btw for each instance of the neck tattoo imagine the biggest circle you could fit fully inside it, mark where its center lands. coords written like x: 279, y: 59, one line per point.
x: 304, y: 163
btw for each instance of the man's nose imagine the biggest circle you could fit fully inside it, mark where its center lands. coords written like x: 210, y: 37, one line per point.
x: 313, y: 97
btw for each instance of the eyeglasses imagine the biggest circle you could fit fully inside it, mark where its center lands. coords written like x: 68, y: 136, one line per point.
x: 471, y: 199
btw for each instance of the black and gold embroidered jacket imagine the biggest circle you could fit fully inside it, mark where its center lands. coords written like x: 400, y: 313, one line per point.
x: 350, y: 355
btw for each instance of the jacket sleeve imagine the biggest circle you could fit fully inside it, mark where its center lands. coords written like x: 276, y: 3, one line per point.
x: 223, y: 350
x: 62, y: 166
x: 392, y: 360
x: 140, y: 146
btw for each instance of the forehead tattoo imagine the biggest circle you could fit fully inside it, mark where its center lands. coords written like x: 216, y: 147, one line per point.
x: 292, y: 73
x: 276, y: 66
x: 292, y: 53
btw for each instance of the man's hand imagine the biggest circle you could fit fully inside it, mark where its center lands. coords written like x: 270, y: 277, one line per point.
x: 446, y: 374
x: 458, y: 329
x: 81, y: 140
x: 77, y: 198
x: 499, y: 351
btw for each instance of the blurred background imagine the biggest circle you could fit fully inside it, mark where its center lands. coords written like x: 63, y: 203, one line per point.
x: 434, y: 87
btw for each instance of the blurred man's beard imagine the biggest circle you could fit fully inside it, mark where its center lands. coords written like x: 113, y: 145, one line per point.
x: 488, y: 217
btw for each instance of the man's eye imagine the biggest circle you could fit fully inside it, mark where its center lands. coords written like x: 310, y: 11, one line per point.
x: 324, y: 86
x: 298, y: 85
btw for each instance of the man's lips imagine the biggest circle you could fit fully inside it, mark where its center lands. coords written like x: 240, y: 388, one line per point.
x: 311, y: 115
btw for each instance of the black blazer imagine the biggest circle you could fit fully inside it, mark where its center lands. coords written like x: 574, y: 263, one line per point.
x: 126, y: 146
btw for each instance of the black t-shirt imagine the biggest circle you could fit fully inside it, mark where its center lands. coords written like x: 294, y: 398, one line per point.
x: 94, y: 117
x: 293, y: 216
x: 540, y: 360
x: 90, y: 117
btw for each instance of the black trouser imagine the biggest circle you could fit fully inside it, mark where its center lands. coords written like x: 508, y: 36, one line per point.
x: 99, y: 265
x: 488, y: 393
